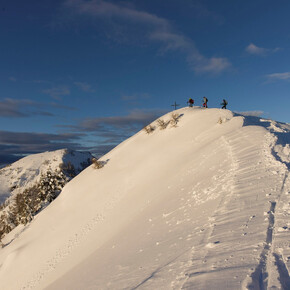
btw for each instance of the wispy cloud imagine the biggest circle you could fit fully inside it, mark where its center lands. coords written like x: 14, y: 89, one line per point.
x: 57, y: 92
x: 14, y: 145
x: 158, y: 29
x: 136, y: 119
x: 13, y: 108
x: 214, y: 65
x: 104, y: 134
x: 110, y: 131
x: 251, y: 113
x: 17, y: 108
x: 279, y: 76
x: 59, y: 106
x: 255, y: 50
x: 108, y: 9
x: 23, y: 138
x: 97, y: 135
x: 85, y: 87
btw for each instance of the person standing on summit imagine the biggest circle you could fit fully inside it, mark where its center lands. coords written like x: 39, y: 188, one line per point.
x: 190, y: 102
x: 205, y: 100
x: 224, y: 104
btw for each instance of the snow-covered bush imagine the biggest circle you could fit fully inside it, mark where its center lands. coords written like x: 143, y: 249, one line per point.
x: 68, y: 168
x: 222, y: 120
x: 23, y: 207
x: 7, y: 223
x: 28, y: 203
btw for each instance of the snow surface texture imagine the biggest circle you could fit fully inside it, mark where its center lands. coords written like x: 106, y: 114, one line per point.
x: 200, y: 205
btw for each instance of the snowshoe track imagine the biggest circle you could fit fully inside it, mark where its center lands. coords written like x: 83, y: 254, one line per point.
x: 235, y: 222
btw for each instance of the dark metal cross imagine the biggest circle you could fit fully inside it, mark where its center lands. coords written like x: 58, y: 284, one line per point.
x: 175, y: 105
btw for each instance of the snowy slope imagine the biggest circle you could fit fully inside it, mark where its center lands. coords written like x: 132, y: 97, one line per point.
x: 204, y: 205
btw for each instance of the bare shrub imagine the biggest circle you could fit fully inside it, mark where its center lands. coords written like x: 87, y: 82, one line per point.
x: 220, y: 120
x: 149, y: 129
x: 162, y: 124
x: 174, y: 119
x: 97, y: 164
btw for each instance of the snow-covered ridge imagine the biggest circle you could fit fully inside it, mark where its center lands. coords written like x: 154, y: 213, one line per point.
x: 202, y: 205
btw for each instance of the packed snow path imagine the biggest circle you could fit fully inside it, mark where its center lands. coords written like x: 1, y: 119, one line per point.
x: 204, y: 205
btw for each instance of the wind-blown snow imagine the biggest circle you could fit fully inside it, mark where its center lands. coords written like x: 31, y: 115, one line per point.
x: 204, y: 205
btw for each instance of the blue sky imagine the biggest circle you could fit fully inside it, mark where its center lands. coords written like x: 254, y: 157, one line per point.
x: 88, y: 74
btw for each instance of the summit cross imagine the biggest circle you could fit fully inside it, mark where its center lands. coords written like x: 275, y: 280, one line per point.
x: 175, y: 105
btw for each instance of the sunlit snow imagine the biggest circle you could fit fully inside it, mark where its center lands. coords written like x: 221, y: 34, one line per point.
x: 200, y: 205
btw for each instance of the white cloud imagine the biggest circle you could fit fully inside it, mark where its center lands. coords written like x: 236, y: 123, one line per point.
x: 254, y: 49
x: 214, y: 65
x: 158, y: 30
x: 279, y: 76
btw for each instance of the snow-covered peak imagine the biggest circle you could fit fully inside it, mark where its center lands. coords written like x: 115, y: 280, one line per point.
x: 199, y: 201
